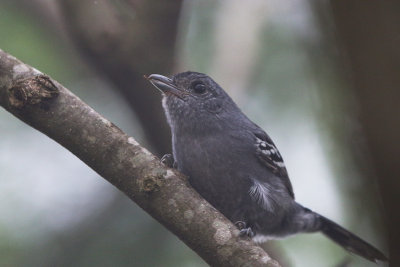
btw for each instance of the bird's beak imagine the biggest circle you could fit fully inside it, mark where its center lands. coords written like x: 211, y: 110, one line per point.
x: 164, y: 84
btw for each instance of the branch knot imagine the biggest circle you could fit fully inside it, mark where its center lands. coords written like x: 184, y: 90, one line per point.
x: 31, y: 91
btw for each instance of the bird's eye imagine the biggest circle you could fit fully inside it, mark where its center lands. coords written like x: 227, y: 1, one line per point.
x: 199, y: 88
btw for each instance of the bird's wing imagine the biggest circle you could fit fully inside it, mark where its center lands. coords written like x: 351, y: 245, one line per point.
x: 270, y: 157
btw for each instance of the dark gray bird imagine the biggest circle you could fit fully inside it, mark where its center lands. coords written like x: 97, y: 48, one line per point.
x: 236, y: 167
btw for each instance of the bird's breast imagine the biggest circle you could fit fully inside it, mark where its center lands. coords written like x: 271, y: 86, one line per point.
x: 216, y: 167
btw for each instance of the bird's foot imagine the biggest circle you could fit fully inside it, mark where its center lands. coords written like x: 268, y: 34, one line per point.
x: 240, y: 225
x: 244, y: 231
x: 247, y: 232
x: 168, y: 160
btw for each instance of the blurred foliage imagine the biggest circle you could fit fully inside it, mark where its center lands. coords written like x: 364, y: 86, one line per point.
x: 293, y: 95
x: 22, y: 35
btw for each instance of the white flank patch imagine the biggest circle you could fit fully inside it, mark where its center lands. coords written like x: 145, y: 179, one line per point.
x: 260, y: 193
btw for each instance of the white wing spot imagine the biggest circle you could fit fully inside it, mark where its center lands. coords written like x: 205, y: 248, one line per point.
x: 270, y: 150
x: 266, y: 148
x: 280, y: 164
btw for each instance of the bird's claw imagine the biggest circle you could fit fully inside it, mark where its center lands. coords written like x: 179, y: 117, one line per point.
x: 240, y: 225
x: 244, y: 231
x: 168, y: 160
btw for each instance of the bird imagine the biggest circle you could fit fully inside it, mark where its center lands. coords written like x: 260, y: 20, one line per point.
x: 234, y: 165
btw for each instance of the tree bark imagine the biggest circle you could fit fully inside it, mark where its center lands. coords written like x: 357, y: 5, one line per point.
x: 164, y: 193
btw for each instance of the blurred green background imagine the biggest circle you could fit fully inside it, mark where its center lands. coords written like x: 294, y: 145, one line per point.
x: 277, y: 59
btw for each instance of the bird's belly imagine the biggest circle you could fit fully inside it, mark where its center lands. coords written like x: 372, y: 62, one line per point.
x: 214, y: 176
x: 225, y: 183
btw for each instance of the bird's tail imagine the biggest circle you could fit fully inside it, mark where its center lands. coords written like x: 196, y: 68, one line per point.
x: 349, y: 241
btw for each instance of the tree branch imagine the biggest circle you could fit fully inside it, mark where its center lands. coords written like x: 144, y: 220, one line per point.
x: 164, y: 193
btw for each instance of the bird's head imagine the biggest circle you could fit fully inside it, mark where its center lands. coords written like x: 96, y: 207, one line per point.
x: 193, y: 100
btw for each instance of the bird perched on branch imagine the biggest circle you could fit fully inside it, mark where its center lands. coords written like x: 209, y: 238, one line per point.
x: 236, y: 167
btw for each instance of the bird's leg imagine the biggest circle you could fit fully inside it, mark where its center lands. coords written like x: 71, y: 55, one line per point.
x: 168, y: 160
x: 247, y: 232
x: 240, y: 225
x: 244, y: 231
